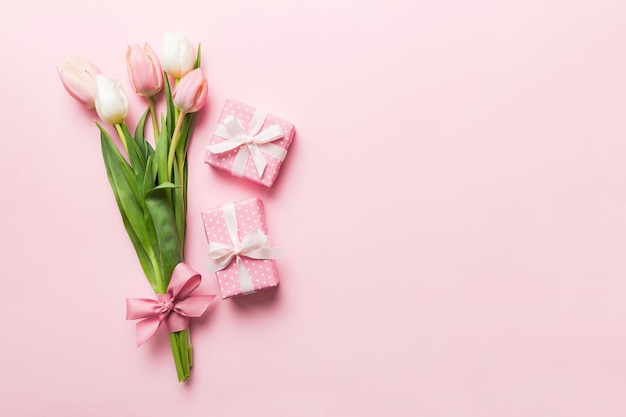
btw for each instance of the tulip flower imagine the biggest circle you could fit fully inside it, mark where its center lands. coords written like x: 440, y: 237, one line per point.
x: 177, y: 56
x: 150, y: 182
x: 144, y: 70
x: 111, y: 101
x: 191, y: 92
x: 78, y: 78
x: 189, y: 97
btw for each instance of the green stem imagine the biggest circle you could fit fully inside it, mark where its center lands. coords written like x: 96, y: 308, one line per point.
x: 176, y: 111
x: 183, y: 198
x: 174, y: 342
x: 181, y: 168
x: 183, y: 338
x: 189, y: 348
x: 155, y: 121
x: 181, y: 350
x: 175, y: 139
x: 120, y: 132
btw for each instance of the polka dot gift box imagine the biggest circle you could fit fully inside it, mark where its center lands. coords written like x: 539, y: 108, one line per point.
x: 239, y: 250
x: 249, y: 143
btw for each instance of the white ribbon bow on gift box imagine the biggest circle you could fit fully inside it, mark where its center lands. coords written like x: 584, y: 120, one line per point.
x: 254, y: 245
x: 254, y: 143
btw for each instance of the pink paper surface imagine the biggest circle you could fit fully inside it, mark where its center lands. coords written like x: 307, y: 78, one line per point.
x: 453, y: 213
x: 244, y: 114
x: 250, y: 217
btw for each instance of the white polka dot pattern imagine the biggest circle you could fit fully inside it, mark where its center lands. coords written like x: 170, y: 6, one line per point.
x: 250, y: 216
x: 224, y: 161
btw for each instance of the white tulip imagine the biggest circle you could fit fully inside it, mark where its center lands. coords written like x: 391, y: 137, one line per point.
x: 177, y: 57
x: 111, y: 101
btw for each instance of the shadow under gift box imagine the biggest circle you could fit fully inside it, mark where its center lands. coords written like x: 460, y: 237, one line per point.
x: 246, y: 219
x: 246, y: 120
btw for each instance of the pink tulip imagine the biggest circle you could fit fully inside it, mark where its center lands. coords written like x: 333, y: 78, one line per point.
x: 191, y: 92
x: 144, y: 70
x: 79, y: 79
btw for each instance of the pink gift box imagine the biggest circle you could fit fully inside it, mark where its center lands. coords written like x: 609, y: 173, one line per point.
x: 249, y: 143
x: 247, y: 265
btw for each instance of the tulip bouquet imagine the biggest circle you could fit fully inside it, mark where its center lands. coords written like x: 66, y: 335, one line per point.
x: 149, y: 181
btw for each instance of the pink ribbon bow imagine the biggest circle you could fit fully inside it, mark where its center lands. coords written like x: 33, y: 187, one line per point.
x: 174, y: 308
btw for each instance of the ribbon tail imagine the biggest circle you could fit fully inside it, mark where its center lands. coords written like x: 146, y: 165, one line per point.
x: 258, y: 158
x: 240, y: 162
x: 265, y: 252
x: 215, y: 265
x: 147, y: 328
x: 245, y: 281
x: 274, y: 151
x: 176, y: 323
x: 222, y: 147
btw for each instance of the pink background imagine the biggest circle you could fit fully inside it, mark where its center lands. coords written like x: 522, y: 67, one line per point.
x: 453, y: 210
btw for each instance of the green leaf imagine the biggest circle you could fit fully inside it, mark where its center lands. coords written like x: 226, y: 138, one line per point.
x: 145, y: 148
x: 160, y: 156
x: 169, y: 250
x: 118, y: 164
x: 170, y: 120
x: 180, y: 212
x: 185, y: 176
x: 166, y: 185
x: 149, y: 179
x: 180, y: 196
x: 197, y: 64
x: 128, y: 206
x: 185, y: 130
x: 139, y: 129
x: 148, y: 185
x: 135, y: 154
x: 142, y: 255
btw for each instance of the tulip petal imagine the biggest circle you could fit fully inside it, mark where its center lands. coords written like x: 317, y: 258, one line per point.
x: 78, y: 78
x: 144, y: 70
x: 178, y: 54
x: 111, y: 102
x: 191, y: 92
